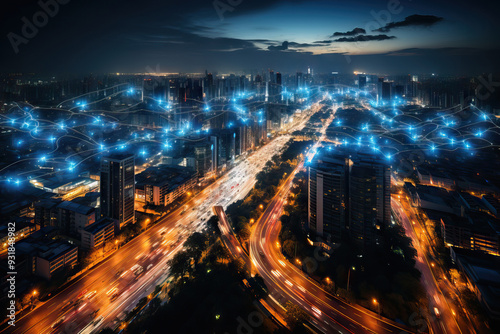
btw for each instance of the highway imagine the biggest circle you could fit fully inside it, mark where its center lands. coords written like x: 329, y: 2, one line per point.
x: 101, y: 297
x: 446, y: 322
x: 328, y: 313
x: 294, y: 285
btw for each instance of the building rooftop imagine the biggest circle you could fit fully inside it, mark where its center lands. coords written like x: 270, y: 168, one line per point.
x: 78, y: 208
x: 55, y: 249
x: 118, y: 156
x: 99, y: 225
x: 476, y: 221
x: 44, y: 248
x: 484, y: 271
x: 48, y: 203
x: 89, y: 199
x: 471, y: 201
x: 12, y: 199
x: 162, y: 176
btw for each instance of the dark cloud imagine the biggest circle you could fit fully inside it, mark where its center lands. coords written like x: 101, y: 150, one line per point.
x: 353, y: 32
x: 326, y: 41
x: 184, y: 40
x: 287, y: 46
x: 413, y: 20
x: 264, y: 41
x: 364, y: 38
x: 301, y: 45
x: 282, y: 47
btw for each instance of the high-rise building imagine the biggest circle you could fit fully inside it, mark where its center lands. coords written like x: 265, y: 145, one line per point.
x: 362, y: 81
x: 380, y: 82
x: 224, y: 144
x: 73, y: 218
x: 202, y: 155
x: 386, y: 90
x: 243, y: 140
x: 399, y: 91
x: 272, y: 77
x: 328, y: 198
x: 278, y: 78
x: 369, y: 197
x: 299, y: 80
x: 118, y: 187
x: 349, y: 195
x: 214, y: 148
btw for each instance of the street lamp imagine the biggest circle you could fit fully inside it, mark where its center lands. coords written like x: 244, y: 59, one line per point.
x: 33, y: 297
x: 378, y: 305
x: 349, y: 276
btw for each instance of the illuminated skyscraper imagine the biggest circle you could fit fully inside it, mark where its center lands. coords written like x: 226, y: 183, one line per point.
x: 202, y: 155
x: 328, y: 197
x: 387, y: 90
x: 299, y: 80
x: 349, y: 195
x: 278, y: 78
x: 369, y: 197
x: 362, y: 81
x: 118, y: 188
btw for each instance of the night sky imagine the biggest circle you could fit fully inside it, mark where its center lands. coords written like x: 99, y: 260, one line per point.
x: 444, y: 37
